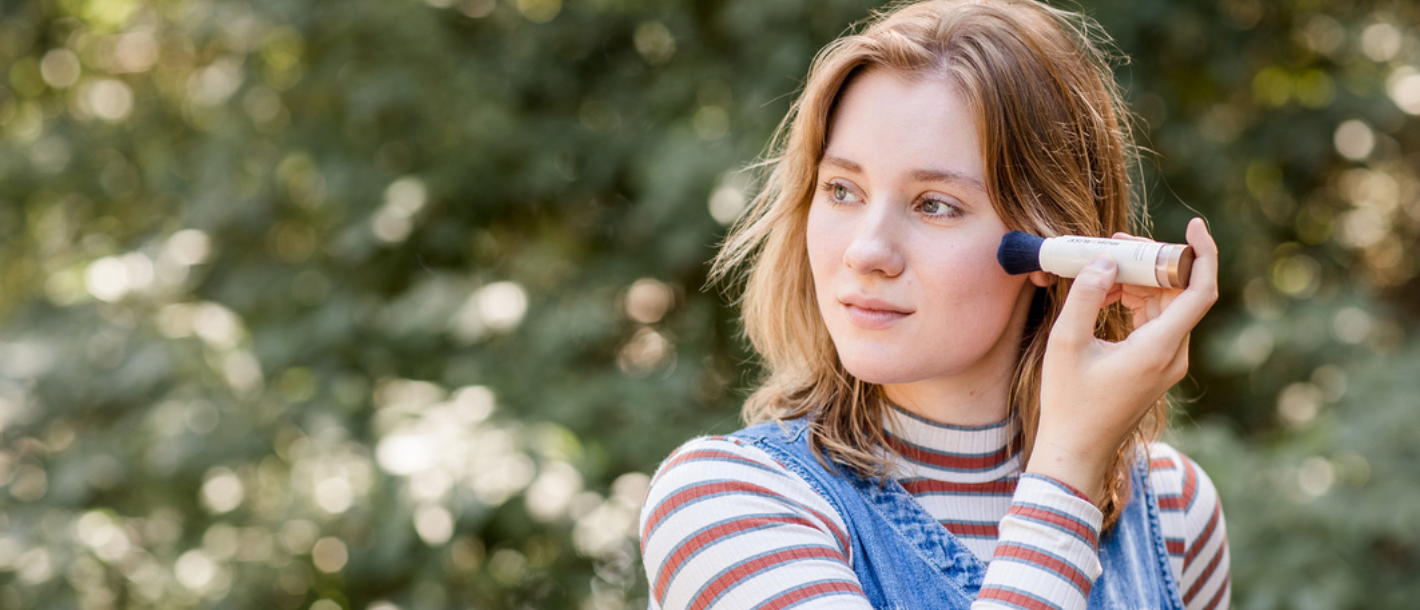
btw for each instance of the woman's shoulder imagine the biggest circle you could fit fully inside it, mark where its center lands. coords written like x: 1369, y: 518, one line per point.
x: 1192, y: 523
x: 727, y: 455
x: 724, y: 480
x: 716, y: 455
x: 721, y: 509
x: 1178, y: 482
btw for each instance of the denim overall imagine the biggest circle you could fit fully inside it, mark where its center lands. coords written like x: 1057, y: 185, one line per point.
x: 905, y: 559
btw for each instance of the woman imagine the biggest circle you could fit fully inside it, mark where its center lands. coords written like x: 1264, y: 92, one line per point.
x: 932, y: 432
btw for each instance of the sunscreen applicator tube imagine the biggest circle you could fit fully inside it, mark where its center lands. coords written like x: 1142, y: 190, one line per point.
x: 1141, y: 263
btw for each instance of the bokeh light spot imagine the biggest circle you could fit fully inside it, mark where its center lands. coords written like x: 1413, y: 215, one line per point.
x: 213, y: 84
x: 726, y: 203
x: 334, y: 495
x: 1299, y: 403
x: 654, y: 42
x: 130, y: 52
x: 216, y: 325
x: 1381, y: 41
x: 711, y: 123
x: 222, y: 491
x: 646, y: 351
x: 404, y: 454
x: 195, y: 570
x: 404, y: 198
x: 110, y: 100
x: 477, y: 9
x: 552, y: 492
x: 508, y: 566
x: 1403, y: 87
x: 329, y: 555
x: 107, y: 279
x: 1324, y: 34
x: 1254, y: 345
x: 539, y: 11
x: 502, y: 305
x: 1298, y: 275
x: 434, y: 524
x: 298, y: 535
x: 1351, y: 325
x: 1315, y: 477
x: 1354, y: 140
x: 60, y: 68
x: 648, y: 300
x: 189, y: 247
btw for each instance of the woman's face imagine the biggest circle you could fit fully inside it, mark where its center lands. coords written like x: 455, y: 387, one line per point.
x: 902, y: 242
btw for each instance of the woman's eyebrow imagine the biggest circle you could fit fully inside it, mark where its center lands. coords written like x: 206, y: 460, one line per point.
x: 943, y: 175
x: 920, y: 175
x: 841, y: 163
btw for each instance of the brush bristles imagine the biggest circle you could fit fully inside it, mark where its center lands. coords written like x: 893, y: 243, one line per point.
x: 1020, y: 252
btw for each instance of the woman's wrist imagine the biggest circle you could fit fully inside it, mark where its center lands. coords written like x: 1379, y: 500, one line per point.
x: 1080, y: 471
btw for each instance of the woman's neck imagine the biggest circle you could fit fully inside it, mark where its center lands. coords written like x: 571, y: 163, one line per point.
x: 953, y: 402
x: 930, y: 450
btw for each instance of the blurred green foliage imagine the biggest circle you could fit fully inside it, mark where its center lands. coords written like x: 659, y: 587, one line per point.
x: 386, y: 304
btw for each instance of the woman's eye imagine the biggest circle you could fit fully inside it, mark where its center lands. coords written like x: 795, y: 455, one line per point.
x: 840, y: 193
x: 933, y: 207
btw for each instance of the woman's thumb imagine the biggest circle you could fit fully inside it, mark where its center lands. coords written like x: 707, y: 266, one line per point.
x: 1087, y: 296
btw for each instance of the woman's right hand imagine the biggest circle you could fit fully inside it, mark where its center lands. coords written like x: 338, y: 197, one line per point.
x: 1095, y: 392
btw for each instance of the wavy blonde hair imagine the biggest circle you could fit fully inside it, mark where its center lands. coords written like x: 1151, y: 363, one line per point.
x: 1058, y: 153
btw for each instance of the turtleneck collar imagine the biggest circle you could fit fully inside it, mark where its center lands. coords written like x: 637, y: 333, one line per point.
x: 931, y: 450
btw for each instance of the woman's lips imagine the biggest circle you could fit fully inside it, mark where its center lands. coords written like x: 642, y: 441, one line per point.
x: 871, y: 314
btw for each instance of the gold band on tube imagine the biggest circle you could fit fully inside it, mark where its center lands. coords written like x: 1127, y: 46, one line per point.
x: 1174, y: 266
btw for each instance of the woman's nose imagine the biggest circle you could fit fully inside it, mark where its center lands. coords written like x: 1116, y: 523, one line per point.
x: 875, y: 247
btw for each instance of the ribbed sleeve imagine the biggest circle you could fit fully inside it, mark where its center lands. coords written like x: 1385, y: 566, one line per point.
x: 1047, y: 556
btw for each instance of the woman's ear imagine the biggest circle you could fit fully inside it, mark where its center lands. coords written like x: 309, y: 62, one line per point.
x: 1041, y: 279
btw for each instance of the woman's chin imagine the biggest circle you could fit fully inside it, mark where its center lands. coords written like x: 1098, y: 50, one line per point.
x: 879, y: 372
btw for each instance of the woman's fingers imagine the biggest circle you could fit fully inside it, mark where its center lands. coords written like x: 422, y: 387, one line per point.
x: 1116, y: 293
x: 1134, y: 297
x: 1182, y: 310
x: 1162, y: 318
x: 1091, y: 291
x: 1193, y: 302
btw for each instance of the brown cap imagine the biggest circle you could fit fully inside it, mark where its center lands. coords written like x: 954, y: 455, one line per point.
x: 1174, y: 266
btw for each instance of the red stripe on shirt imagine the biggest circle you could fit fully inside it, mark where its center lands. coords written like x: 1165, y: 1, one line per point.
x: 691, y: 494
x: 708, y: 454
x: 1203, y: 537
x: 1207, y: 573
x: 1046, y: 562
x: 1175, y: 547
x: 1190, y: 488
x: 918, y: 487
x: 706, y: 489
x: 1162, y: 464
x: 1221, y: 594
x: 1058, y: 520
x: 979, y: 530
x: 1015, y: 598
x: 794, y: 596
x: 953, y: 461
x: 713, y: 590
x: 690, y: 546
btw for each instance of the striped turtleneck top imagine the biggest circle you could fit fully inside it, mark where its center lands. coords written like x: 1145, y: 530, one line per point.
x: 707, y: 545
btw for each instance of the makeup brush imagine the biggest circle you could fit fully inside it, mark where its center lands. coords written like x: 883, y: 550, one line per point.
x: 1141, y: 263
